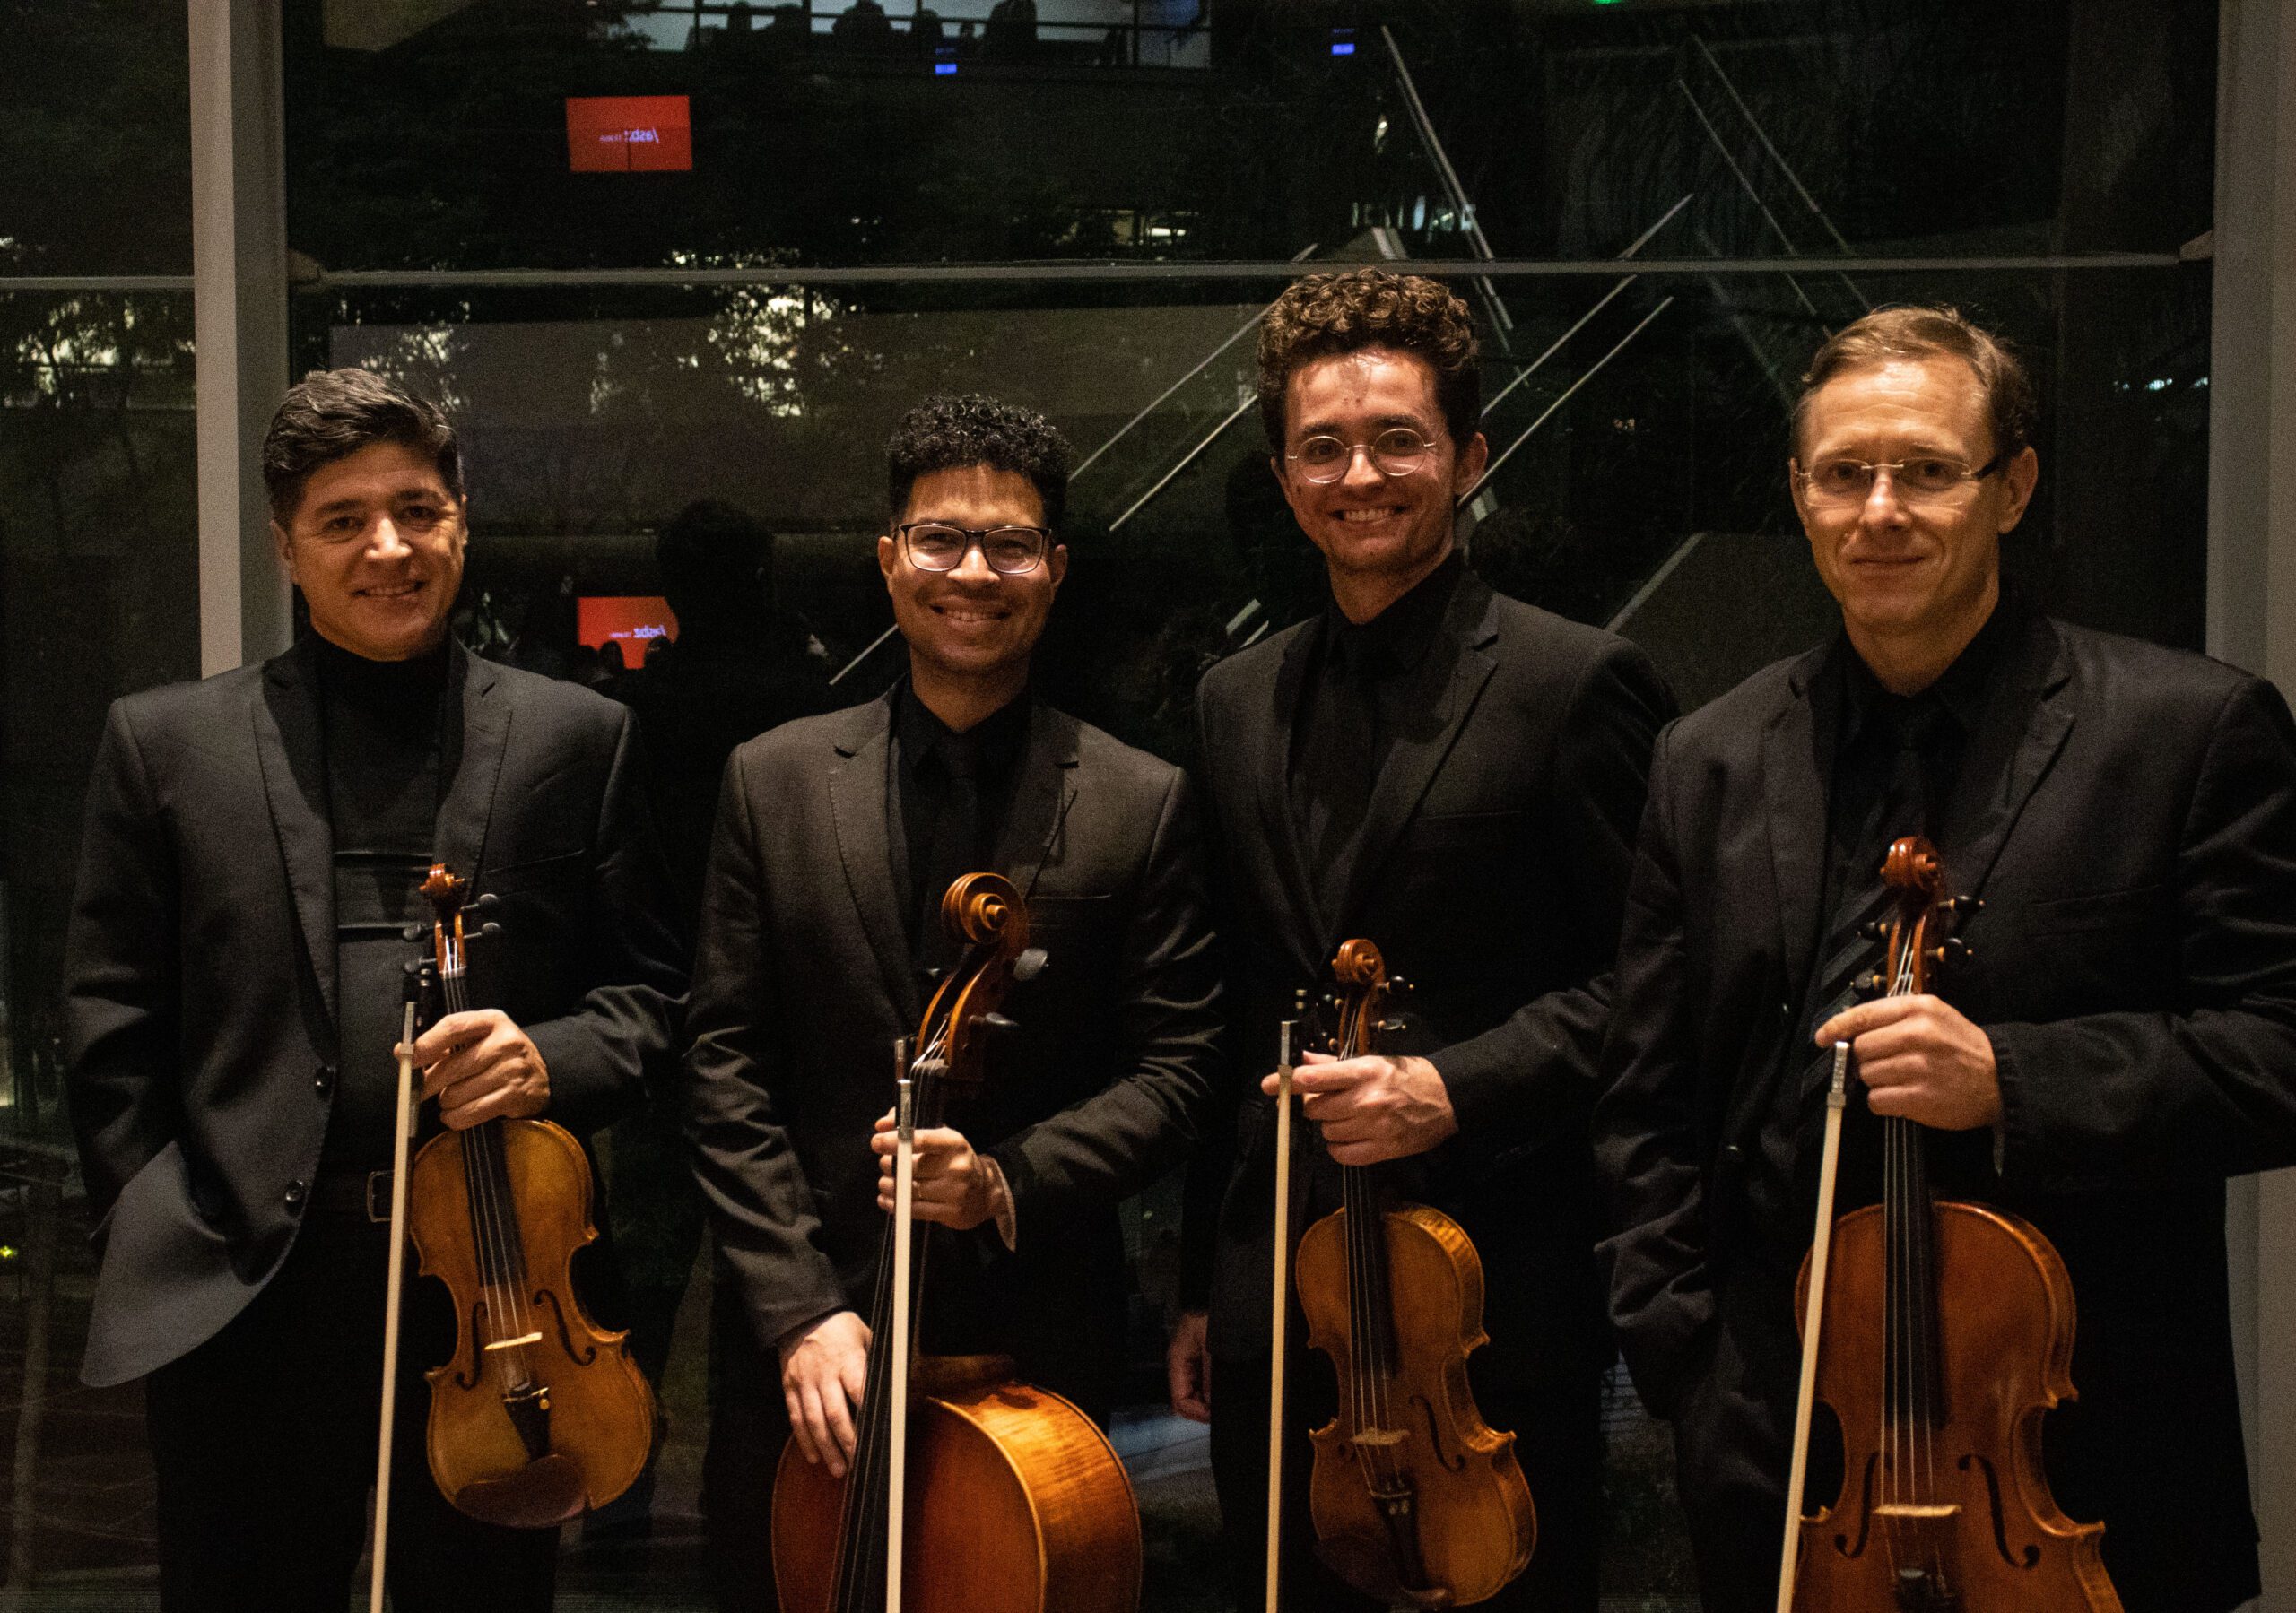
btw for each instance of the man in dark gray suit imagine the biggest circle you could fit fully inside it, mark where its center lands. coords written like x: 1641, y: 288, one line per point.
x: 2122, y: 1038
x: 232, y: 992
x: 836, y: 838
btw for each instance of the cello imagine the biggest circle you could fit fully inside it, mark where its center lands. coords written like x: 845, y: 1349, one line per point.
x: 1414, y: 1496
x: 1014, y: 1501
x: 1938, y: 1331
x: 539, y: 1415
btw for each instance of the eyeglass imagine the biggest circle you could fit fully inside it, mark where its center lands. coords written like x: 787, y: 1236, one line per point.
x: 1397, y: 451
x: 1930, y: 477
x: 937, y: 546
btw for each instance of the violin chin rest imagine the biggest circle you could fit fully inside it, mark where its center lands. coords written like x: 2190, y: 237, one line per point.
x: 543, y: 1495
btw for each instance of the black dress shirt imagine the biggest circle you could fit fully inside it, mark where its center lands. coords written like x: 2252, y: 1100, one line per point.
x: 952, y: 792
x: 1350, y: 715
x: 386, y: 768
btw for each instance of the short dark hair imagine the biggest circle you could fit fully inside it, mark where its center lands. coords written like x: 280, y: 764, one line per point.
x: 1326, y: 314
x: 331, y: 414
x: 1916, y: 332
x: 951, y: 433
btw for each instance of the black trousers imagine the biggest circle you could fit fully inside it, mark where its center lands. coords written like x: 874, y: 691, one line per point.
x: 263, y: 1439
x: 1558, y: 1440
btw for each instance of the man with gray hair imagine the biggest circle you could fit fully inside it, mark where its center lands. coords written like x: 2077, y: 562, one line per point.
x: 2120, y: 1038
x: 232, y: 986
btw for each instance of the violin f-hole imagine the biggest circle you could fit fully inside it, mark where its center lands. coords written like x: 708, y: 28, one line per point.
x: 1451, y: 1463
x: 580, y: 1357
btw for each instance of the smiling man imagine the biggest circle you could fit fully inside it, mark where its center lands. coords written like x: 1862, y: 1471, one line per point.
x: 837, y: 837
x: 1456, y: 776
x: 2121, y: 1038
x: 232, y: 990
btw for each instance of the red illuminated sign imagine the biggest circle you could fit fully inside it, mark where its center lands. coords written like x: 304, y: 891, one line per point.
x: 629, y: 134
x: 630, y: 620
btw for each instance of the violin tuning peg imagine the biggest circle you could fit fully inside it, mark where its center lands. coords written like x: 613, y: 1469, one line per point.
x: 1869, y: 986
x: 490, y: 928
x: 1030, y: 964
x: 484, y: 904
x: 1389, y: 1027
x: 1963, y: 906
x: 933, y: 975
x: 1950, y: 951
x: 1300, y: 1000
x: 414, y: 966
x: 1397, y: 986
x: 998, y: 1023
x: 1873, y: 929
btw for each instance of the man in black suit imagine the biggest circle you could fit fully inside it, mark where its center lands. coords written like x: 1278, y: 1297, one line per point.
x: 232, y: 992
x: 2122, y: 1039
x: 1455, y: 777
x: 836, y: 838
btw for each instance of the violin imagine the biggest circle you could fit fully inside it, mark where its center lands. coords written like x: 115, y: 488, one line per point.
x: 539, y: 1414
x: 1012, y: 1501
x: 1937, y: 1332
x: 1414, y: 1496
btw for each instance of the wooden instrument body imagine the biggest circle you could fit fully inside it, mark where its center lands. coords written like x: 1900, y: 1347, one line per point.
x: 599, y: 1411
x: 1476, y: 1523
x: 2004, y: 1353
x: 1047, y: 1524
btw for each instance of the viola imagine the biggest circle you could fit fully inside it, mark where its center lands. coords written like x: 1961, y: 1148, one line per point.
x: 1010, y: 1500
x: 1941, y: 1332
x: 539, y: 1414
x: 1414, y: 1496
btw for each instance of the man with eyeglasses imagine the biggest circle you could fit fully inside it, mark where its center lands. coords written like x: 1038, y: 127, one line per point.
x: 2120, y: 1039
x: 1455, y: 777
x: 837, y: 837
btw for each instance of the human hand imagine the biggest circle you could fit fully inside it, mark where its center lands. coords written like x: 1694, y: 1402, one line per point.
x: 953, y: 1184
x: 1920, y: 1060
x: 1187, y: 1366
x: 1374, y: 1107
x: 824, y: 1367
x: 481, y: 1066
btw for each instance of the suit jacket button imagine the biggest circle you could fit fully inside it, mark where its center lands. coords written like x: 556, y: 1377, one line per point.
x: 323, y: 1082
x: 295, y: 1192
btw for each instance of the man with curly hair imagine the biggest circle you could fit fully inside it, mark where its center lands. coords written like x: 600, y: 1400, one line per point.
x: 836, y: 838
x: 1456, y: 776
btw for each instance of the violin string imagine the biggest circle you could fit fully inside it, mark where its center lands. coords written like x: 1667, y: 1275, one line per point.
x: 478, y: 1187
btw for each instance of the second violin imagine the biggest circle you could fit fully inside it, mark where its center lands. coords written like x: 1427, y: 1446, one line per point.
x: 1414, y: 1498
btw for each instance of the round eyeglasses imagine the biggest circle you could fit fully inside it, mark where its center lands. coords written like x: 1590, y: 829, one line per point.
x: 1928, y: 479
x: 1009, y: 551
x: 1397, y: 451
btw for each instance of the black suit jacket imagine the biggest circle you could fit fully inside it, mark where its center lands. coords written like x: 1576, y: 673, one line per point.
x: 1491, y: 872
x: 2127, y: 814
x: 804, y: 979
x: 199, y: 977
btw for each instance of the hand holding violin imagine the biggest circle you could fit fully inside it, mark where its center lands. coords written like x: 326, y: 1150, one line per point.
x: 1920, y: 1060
x: 481, y: 1066
x: 1373, y: 1107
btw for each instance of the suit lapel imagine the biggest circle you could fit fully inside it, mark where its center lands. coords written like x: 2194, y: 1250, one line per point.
x: 1449, y: 682
x: 1797, y: 776
x: 1047, y: 778
x: 1267, y: 753
x: 460, y: 835
x: 291, y: 753
x: 859, y: 808
x: 2024, y: 727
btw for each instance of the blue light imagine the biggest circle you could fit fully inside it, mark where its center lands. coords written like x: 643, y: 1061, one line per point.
x: 1344, y: 48
x: 944, y: 69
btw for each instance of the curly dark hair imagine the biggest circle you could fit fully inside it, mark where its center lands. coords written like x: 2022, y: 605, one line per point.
x: 950, y: 433
x: 1344, y: 313
x: 331, y: 414
x: 1929, y: 332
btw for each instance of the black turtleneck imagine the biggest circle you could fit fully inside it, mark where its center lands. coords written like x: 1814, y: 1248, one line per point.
x: 1355, y: 703
x: 386, y: 768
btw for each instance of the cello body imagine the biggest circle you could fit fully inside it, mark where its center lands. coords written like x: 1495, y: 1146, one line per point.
x: 1985, y: 1512
x: 1475, y: 1524
x: 1048, y: 1523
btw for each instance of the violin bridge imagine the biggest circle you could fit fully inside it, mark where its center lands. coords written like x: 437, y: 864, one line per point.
x: 1380, y: 1437
x: 514, y: 1343
x: 1918, y: 1510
